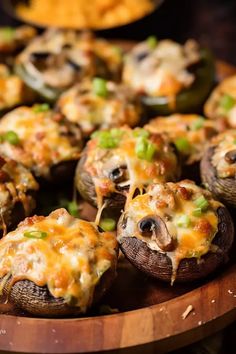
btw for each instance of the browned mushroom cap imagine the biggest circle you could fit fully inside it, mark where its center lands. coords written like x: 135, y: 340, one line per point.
x: 223, y: 189
x: 38, y: 300
x: 159, y: 265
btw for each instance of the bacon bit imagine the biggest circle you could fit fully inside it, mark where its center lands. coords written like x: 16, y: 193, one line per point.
x: 105, y: 187
x: 2, y: 161
x: 184, y: 193
x: 4, y: 177
x: 203, y: 226
x: 187, y: 312
x: 58, y: 117
x: 40, y: 135
x: 161, y: 204
x: 31, y: 220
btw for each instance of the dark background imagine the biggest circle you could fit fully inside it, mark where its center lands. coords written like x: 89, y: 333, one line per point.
x: 212, y: 22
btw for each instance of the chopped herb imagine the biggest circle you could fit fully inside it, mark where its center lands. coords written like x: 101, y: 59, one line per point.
x: 107, y: 224
x: 38, y: 108
x: 11, y: 137
x: 7, y: 34
x: 35, y: 234
x: 108, y: 139
x: 201, y: 203
x: 152, y: 42
x: 182, y: 145
x: 100, y: 87
x: 197, y: 124
x: 72, y: 207
x: 227, y: 102
x: 140, y: 132
x: 197, y: 212
x: 184, y: 221
x: 144, y: 149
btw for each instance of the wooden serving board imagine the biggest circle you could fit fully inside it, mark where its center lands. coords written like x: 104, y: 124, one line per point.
x: 151, y: 313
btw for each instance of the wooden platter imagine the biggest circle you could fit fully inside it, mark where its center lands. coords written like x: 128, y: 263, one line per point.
x: 153, y: 316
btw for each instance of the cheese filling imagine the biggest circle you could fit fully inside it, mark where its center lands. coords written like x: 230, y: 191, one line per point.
x: 224, y: 157
x: 66, y: 254
x: 189, y: 213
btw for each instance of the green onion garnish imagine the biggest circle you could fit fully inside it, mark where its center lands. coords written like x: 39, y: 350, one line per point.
x: 38, y: 108
x: 197, y: 124
x: 107, y: 224
x: 227, y: 102
x: 100, y: 87
x: 152, y: 42
x: 184, y: 221
x: 182, y: 145
x: 73, y: 209
x: 108, y: 139
x: 140, y: 132
x: 144, y: 149
x: 35, y: 234
x: 201, y: 203
x: 7, y: 34
x: 197, y: 212
x: 11, y: 137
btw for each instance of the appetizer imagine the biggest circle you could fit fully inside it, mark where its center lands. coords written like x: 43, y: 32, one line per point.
x: 17, y: 193
x: 218, y: 167
x: 169, y: 76
x: 222, y: 102
x: 13, y: 39
x: 57, y: 59
x: 189, y: 132
x: 13, y: 90
x: 100, y: 104
x: 120, y: 162
x: 176, y: 232
x: 57, y: 265
x: 35, y: 137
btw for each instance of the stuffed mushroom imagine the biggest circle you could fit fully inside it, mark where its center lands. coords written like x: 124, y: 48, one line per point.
x: 58, y: 265
x: 222, y: 102
x: 35, y: 137
x: 176, y: 232
x: 100, y: 104
x: 57, y: 59
x: 17, y: 193
x: 119, y: 162
x: 13, y: 90
x: 218, y: 167
x: 170, y: 77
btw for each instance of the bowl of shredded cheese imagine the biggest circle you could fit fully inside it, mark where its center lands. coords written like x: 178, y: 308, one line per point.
x: 80, y: 14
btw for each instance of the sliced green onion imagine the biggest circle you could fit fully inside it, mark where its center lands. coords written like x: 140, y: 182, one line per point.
x: 108, y: 139
x: 100, y: 87
x: 144, y: 149
x: 227, y: 102
x: 118, y: 50
x: 35, y: 234
x: 11, y: 137
x: 140, y: 132
x: 197, y: 124
x: 7, y: 34
x: 152, y: 42
x: 117, y: 133
x: 38, y: 108
x: 184, y: 221
x: 182, y: 145
x: 197, y: 212
x: 73, y: 209
x: 107, y: 224
x: 201, y: 203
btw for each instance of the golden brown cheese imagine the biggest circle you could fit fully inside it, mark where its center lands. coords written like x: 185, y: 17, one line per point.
x: 162, y: 70
x: 70, y: 257
x: 139, y: 171
x: 81, y: 105
x: 224, y: 157
x: 42, y: 140
x: 222, y: 102
x: 12, y: 89
x: 194, y: 129
x: 175, y: 203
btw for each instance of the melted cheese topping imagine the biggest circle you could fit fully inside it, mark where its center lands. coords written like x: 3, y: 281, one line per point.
x: 224, y: 143
x: 71, y: 56
x: 214, y: 110
x: 82, y: 106
x: 12, y: 89
x: 70, y: 260
x: 43, y: 140
x: 139, y: 172
x: 184, y: 126
x: 15, y: 182
x: 171, y: 201
x: 17, y: 38
x: 162, y: 71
